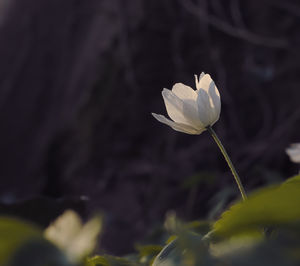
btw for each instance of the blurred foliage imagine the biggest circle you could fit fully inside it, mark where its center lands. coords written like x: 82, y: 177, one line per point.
x: 22, y: 243
x: 79, y: 80
x: 107, y: 261
x: 268, y: 207
x: 13, y: 234
x: 263, y: 230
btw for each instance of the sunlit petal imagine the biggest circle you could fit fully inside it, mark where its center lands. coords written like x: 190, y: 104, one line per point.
x: 192, y: 110
x: 184, y: 92
x: 77, y: 240
x: 204, y: 82
x: 215, y: 101
x: 177, y: 126
x: 189, y: 107
x: 294, y: 152
x: 174, y: 106
x: 198, y: 80
x: 205, y: 114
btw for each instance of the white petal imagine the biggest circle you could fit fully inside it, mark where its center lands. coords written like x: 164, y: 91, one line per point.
x: 215, y: 100
x: 197, y: 81
x: 70, y: 235
x: 182, y: 111
x: 190, y: 107
x: 191, y: 113
x: 209, y: 102
x: 178, y: 126
x: 294, y: 152
x: 204, y: 82
x: 204, y: 109
x: 86, y: 240
x: 184, y: 92
x: 63, y: 229
x: 174, y: 106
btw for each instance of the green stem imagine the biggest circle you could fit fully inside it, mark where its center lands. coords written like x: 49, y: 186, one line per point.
x: 226, y: 156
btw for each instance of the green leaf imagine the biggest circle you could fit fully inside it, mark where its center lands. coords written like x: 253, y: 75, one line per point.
x: 38, y: 252
x: 148, y: 250
x: 170, y: 255
x: 107, y: 260
x: 13, y: 234
x: 201, y: 227
x: 22, y: 243
x: 188, y: 249
x: 280, y: 249
x: 272, y: 206
x: 147, y: 253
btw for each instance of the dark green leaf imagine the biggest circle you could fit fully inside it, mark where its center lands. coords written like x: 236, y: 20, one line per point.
x: 272, y: 206
x: 188, y: 250
x: 22, y: 243
x: 107, y: 260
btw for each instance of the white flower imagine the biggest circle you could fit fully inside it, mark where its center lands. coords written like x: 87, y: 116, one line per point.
x: 192, y: 110
x: 294, y: 152
x: 74, y: 238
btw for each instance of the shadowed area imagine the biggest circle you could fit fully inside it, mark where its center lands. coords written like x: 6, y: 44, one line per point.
x: 78, y: 83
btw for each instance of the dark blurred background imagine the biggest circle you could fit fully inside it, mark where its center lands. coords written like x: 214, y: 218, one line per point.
x: 79, y: 79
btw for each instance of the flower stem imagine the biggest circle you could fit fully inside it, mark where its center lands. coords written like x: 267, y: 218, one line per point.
x: 227, y: 158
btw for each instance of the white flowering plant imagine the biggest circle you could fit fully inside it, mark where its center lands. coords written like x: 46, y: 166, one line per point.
x: 262, y: 228
x: 194, y: 111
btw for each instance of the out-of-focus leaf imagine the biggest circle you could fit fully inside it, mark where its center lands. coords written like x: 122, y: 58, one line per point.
x: 22, y: 243
x: 171, y: 255
x: 295, y: 180
x: 196, y: 250
x: 38, y: 252
x: 201, y: 227
x: 271, y: 206
x: 107, y: 260
x: 284, y: 249
x: 229, y: 246
x: 147, y: 253
x: 74, y: 238
x: 188, y: 249
x: 219, y: 201
x: 13, y: 234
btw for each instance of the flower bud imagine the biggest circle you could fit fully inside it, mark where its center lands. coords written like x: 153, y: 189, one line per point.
x: 191, y: 111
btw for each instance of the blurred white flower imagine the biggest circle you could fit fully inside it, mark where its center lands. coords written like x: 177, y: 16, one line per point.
x: 77, y: 240
x: 192, y: 110
x: 294, y: 152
